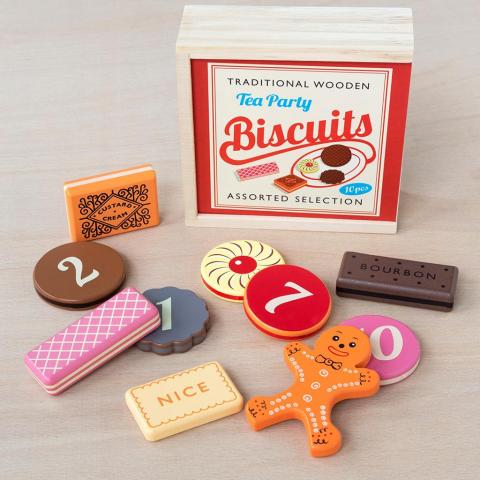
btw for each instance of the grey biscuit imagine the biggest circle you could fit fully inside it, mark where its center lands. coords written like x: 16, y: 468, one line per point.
x: 190, y: 321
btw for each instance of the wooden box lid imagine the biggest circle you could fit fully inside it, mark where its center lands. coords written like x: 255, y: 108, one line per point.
x: 297, y: 33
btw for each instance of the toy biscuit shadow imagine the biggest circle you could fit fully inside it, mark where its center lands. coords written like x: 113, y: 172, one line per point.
x: 323, y: 377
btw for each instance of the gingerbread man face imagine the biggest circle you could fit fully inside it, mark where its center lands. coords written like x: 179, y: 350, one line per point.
x: 323, y: 377
x: 344, y: 345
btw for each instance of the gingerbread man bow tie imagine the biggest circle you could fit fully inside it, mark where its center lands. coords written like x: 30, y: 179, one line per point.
x: 328, y: 362
x: 317, y: 389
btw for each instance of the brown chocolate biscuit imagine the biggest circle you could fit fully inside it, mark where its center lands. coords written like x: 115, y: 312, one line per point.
x: 336, y: 155
x: 79, y: 275
x: 332, y: 177
x: 396, y: 280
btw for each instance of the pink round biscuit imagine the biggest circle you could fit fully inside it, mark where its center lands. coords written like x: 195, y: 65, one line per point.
x: 395, y: 348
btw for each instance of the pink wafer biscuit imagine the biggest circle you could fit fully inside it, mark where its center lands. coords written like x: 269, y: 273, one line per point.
x: 74, y: 352
x: 248, y: 173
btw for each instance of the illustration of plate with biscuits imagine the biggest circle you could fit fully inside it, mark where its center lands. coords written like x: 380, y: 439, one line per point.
x: 333, y: 164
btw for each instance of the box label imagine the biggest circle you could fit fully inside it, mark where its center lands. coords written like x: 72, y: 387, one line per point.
x: 269, y: 124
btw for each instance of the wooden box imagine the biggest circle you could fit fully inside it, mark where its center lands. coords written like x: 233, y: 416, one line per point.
x: 293, y: 117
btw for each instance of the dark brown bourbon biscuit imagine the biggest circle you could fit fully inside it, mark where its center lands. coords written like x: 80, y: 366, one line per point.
x: 399, y: 281
x: 336, y: 155
x: 332, y: 177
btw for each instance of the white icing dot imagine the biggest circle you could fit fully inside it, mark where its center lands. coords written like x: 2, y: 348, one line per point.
x: 334, y: 387
x: 292, y: 359
x: 272, y: 402
x: 345, y: 369
x: 311, y: 414
x: 345, y: 384
x: 315, y: 430
x: 324, y: 424
x: 307, y: 398
x: 323, y: 417
x: 315, y: 425
x: 322, y: 407
x: 289, y: 394
x: 282, y: 407
x: 270, y: 412
x: 329, y: 390
x: 289, y: 405
x: 355, y: 371
x: 357, y: 383
x: 315, y: 385
x: 295, y: 404
x: 297, y: 367
x: 284, y: 397
x: 302, y: 380
x: 339, y: 384
x: 352, y: 384
x: 323, y: 372
x: 278, y: 400
x: 304, y: 352
x: 308, y: 409
x: 276, y: 409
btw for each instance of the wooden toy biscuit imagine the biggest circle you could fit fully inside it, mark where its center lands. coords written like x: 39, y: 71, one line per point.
x: 331, y: 372
x: 185, y: 321
x: 287, y: 301
x: 86, y: 344
x: 112, y: 203
x: 183, y: 401
x: 395, y: 347
x: 79, y: 275
x: 227, y: 268
x: 397, y: 280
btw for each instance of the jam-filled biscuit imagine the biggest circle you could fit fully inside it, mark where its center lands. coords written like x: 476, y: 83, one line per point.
x: 331, y: 372
x: 308, y: 165
x: 336, y: 155
x: 227, y: 268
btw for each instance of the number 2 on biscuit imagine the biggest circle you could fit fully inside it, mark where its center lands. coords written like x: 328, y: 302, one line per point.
x: 78, y: 266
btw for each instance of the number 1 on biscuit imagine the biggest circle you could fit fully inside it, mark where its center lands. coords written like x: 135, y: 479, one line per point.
x: 166, y: 313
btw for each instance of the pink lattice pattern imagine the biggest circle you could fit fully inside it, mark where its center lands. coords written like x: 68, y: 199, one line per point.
x: 257, y: 171
x: 104, y: 324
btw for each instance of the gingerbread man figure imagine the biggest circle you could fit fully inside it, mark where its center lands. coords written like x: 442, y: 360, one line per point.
x: 323, y: 377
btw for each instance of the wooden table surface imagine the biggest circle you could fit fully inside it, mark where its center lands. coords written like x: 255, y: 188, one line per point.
x: 89, y: 86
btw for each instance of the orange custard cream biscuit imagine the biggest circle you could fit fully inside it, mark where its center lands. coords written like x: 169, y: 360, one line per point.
x: 112, y: 203
x: 184, y: 400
